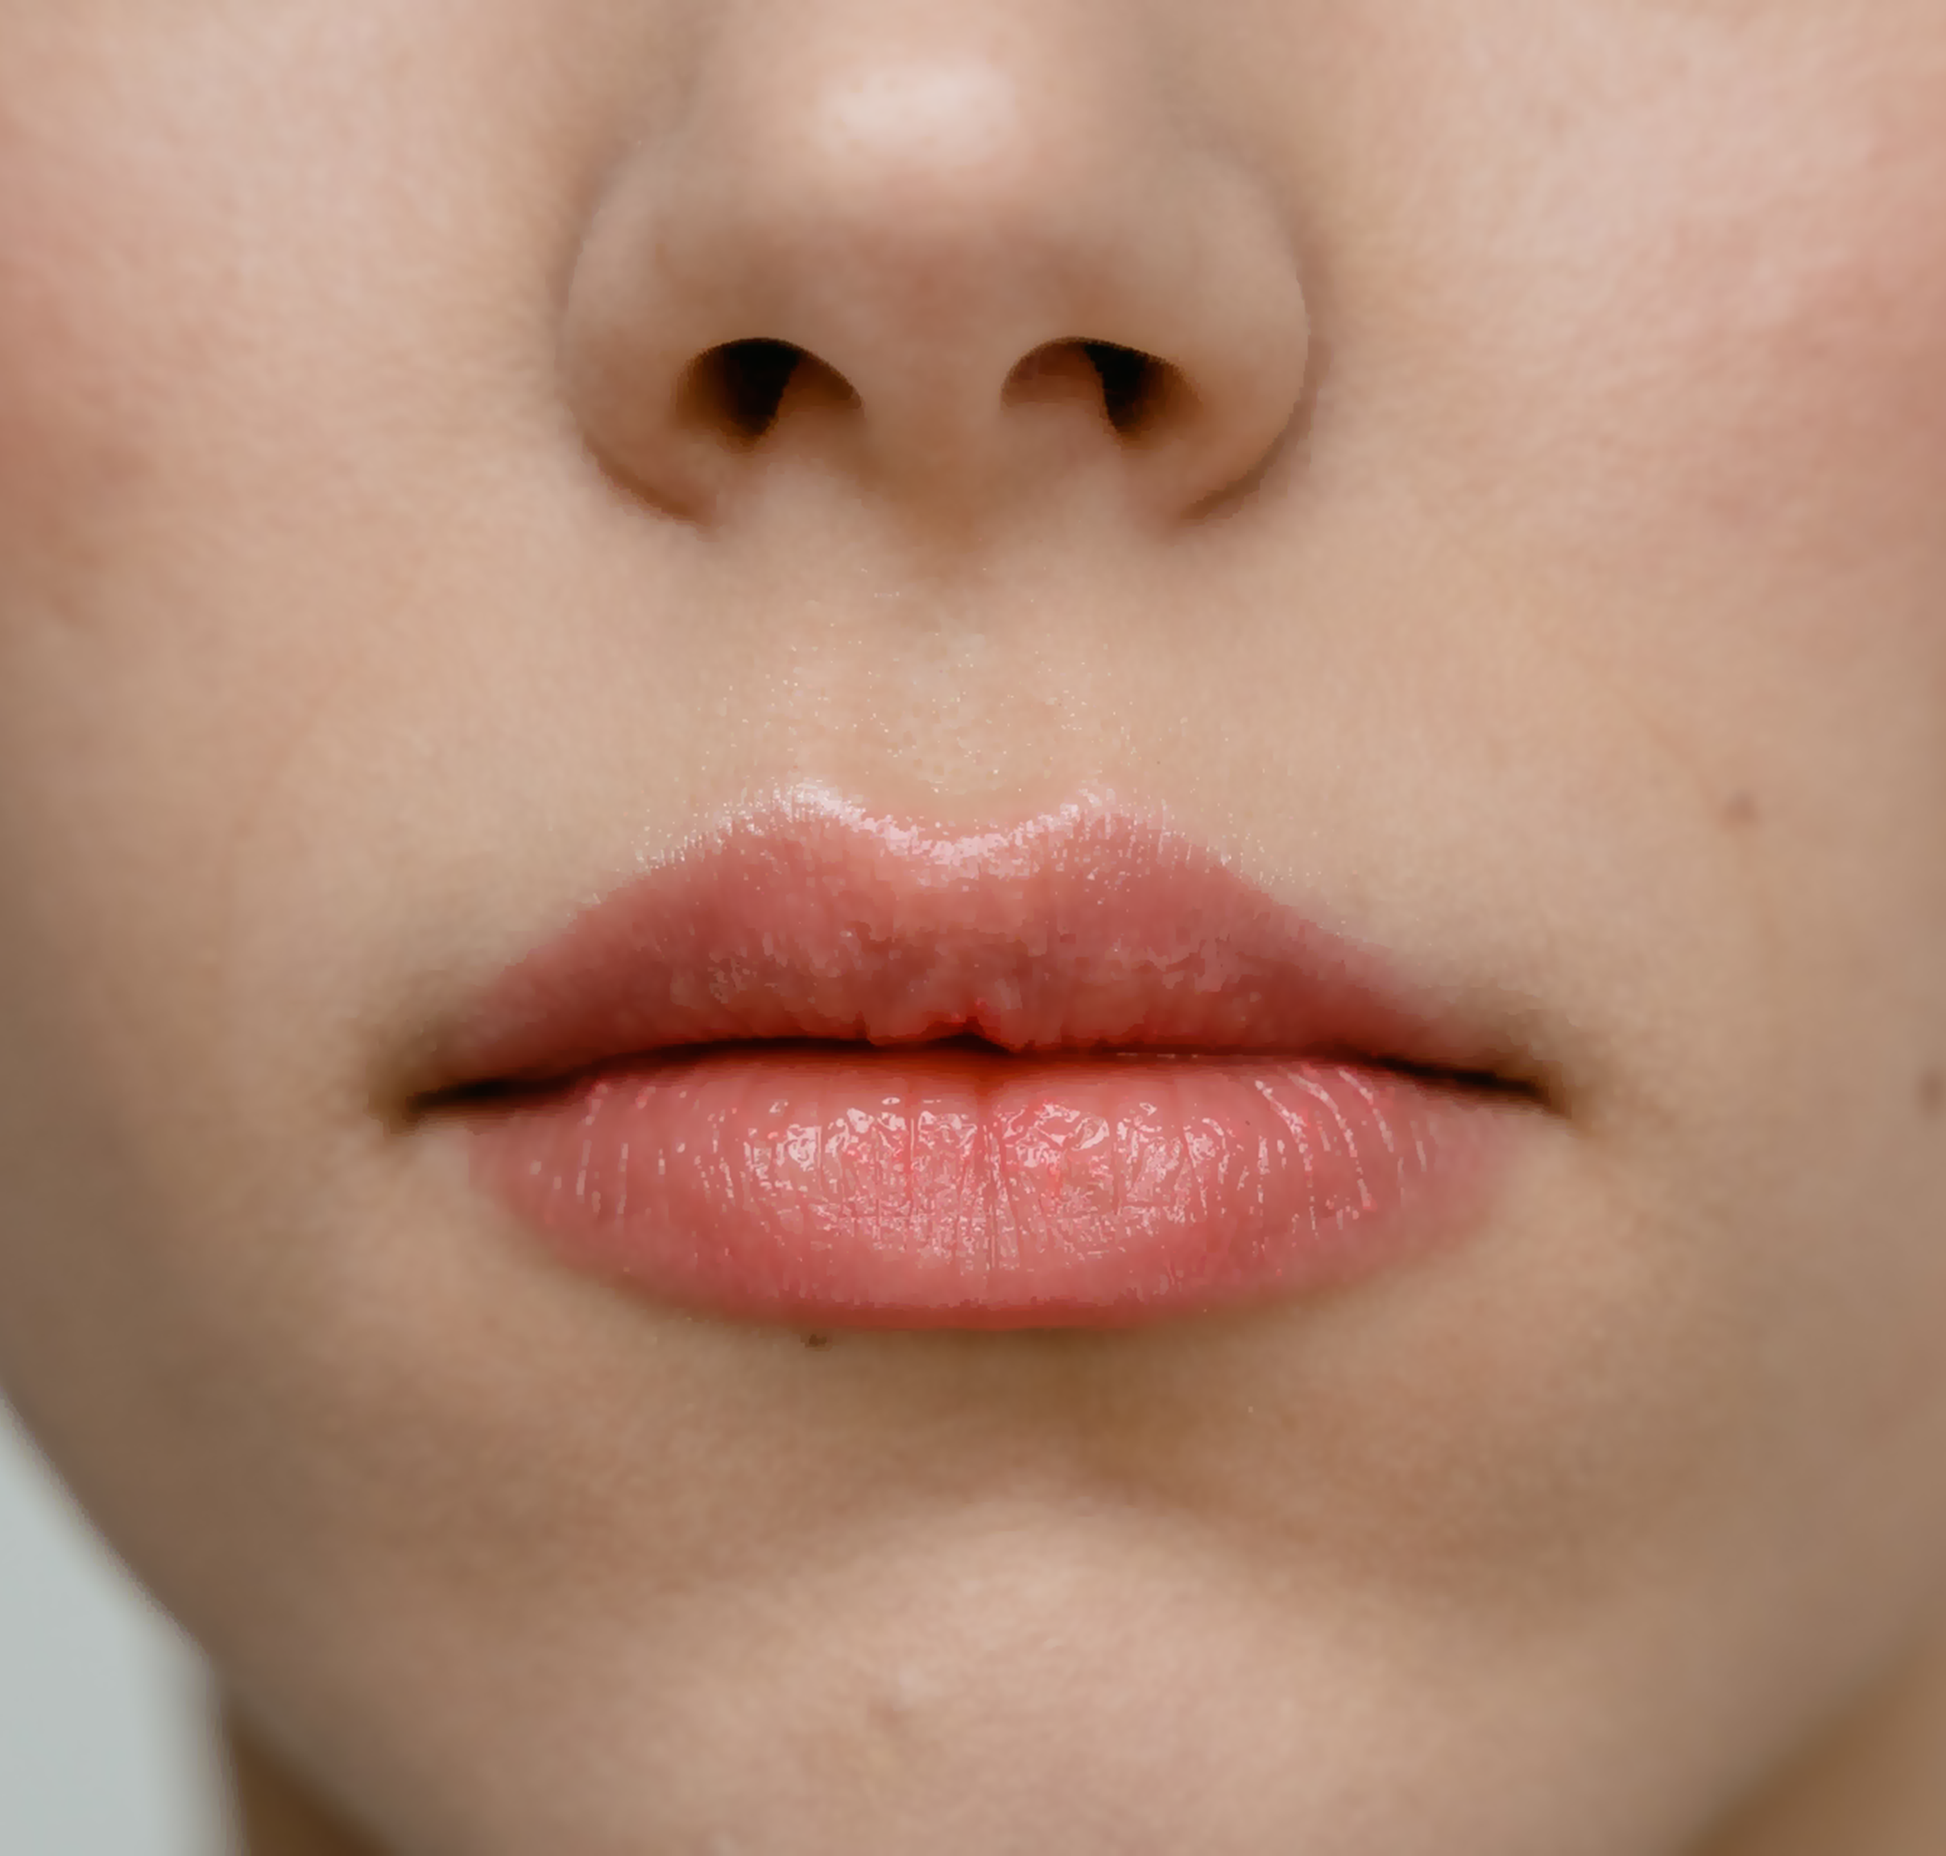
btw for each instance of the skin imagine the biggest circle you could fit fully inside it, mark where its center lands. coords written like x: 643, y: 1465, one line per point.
x: 1538, y: 573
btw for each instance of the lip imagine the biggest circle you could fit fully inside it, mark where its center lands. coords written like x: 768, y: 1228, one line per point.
x: 833, y: 1069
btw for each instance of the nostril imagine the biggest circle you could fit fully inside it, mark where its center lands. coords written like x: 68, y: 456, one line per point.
x: 1131, y: 388
x: 738, y: 388
x: 1133, y: 384
x: 740, y: 385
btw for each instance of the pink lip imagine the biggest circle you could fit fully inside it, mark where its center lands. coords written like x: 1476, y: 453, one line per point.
x: 727, y: 1081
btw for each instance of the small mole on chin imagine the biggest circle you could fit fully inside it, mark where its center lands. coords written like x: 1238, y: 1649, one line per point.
x: 1932, y: 1091
x: 1740, y: 812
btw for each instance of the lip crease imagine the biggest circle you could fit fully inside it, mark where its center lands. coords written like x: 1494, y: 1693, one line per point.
x: 834, y: 1069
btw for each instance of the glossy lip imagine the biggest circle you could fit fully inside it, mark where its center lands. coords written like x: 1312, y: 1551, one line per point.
x: 836, y: 1069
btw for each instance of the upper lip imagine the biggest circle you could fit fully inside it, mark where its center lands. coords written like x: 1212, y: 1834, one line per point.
x: 1086, y: 928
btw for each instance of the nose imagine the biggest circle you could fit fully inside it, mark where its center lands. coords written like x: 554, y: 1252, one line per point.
x: 969, y: 257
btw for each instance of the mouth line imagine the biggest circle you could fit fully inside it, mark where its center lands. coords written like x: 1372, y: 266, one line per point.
x: 979, y: 1059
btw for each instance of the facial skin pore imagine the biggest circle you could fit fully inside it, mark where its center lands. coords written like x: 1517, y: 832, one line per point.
x: 1528, y: 559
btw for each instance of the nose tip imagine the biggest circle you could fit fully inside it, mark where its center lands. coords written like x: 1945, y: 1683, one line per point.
x: 965, y: 276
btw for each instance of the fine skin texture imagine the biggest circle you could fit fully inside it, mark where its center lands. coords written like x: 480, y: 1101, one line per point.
x: 1521, y: 548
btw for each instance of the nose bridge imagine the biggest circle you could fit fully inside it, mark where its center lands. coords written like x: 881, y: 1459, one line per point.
x: 929, y: 221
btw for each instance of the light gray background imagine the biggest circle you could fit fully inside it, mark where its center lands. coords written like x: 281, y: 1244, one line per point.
x: 104, y: 1740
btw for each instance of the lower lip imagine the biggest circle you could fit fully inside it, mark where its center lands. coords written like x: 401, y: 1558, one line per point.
x: 946, y: 1187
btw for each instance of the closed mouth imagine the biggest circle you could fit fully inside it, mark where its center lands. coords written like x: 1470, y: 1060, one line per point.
x: 832, y: 1069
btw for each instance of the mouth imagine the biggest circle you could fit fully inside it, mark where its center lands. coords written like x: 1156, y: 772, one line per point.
x: 828, y: 1069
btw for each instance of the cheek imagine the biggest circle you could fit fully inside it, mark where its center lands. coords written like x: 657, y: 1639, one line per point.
x: 1772, y: 402
x: 1667, y: 369
x: 260, y: 270
x: 1672, y: 368
x: 241, y: 318
x: 1635, y: 290
x: 1717, y: 335
x: 78, y: 376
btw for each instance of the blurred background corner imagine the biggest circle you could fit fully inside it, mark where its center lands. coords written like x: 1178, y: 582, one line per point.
x: 106, y: 1739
